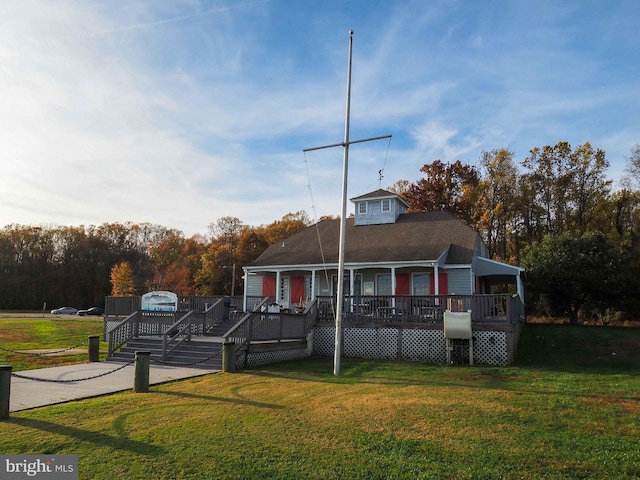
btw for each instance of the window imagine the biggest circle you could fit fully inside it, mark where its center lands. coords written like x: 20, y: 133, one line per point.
x: 307, y: 288
x: 384, y: 284
x: 284, y: 291
x: 422, y: 284
x: 386, y: 206
x: 362, y: 208
x: 346, y: 285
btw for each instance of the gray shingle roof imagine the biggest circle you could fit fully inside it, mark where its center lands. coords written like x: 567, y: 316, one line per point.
x: 414, y: 236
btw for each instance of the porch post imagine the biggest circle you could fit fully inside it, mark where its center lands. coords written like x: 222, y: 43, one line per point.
x: 313, y: 285
x: 278, y: 286
x: 436, y: 280
x: 352, y: 283
x: 519, y: 287
x: 245, y: 277
x: 393, y: 289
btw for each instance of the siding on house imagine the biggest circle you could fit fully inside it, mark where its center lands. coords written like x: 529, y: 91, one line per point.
x: 253, y: 285
x: 459, y: 281
x: 373, y: 214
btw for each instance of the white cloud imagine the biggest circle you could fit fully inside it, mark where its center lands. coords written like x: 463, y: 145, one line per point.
x: 433, y: 136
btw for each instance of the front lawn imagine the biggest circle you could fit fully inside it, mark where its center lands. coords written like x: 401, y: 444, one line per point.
x: 546, y: 417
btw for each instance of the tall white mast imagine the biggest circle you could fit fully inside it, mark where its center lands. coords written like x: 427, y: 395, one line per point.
x: 343, y: 220
x: 340, y: 300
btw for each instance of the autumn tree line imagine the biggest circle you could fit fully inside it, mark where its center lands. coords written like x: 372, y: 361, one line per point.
x: 79, y: 266
x: 555, y: 212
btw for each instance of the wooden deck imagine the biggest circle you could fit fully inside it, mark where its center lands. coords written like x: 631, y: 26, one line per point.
x: 397, y: 327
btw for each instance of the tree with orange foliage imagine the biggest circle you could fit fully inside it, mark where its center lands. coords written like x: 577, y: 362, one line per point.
x: 122, y: 280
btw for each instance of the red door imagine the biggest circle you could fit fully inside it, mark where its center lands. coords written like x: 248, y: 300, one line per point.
x: 443, y: 284
x: 402, y: 283
x: 297, y: 289
x: 268, y: 286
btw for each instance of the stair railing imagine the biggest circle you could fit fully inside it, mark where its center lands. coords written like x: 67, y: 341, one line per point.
x: 176, y: 334
x: 261, y: 325
x: 212, y: 316
x: 123, y: 332
x: 240, y: 333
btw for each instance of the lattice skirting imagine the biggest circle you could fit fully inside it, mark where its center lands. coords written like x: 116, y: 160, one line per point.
x: 109, y: 324
x: 490, y: 348
x: 264, y: 358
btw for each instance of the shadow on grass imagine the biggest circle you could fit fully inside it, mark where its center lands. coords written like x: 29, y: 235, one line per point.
x: 580, y: 349
x: 211, y: 398
x: 99, y: 439
x: 541, y: 378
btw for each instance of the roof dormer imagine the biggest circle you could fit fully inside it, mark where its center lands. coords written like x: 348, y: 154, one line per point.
x: 378, y: 207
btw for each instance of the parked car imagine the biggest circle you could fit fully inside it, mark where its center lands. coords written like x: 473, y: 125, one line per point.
x: 91, y: 311
x: 64, y: 311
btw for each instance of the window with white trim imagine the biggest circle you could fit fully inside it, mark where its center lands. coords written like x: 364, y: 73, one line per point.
x: 383, y: 282
x: 284, y: 290
x: 386, y: 206
x: 422, y: 284
x: 362, y: 208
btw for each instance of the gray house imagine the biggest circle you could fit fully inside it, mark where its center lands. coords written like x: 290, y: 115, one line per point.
x: 388, y: 252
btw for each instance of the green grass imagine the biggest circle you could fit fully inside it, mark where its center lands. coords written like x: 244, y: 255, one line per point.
x: 19, y: 332
x: 568, y: 409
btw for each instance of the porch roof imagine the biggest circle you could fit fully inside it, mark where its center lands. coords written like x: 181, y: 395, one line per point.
x: 487, y: 267
x: 423, y: 236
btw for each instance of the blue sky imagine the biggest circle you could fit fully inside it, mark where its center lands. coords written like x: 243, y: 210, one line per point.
x: 182, y: 112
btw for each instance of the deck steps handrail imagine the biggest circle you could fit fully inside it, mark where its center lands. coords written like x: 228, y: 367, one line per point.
x: 123, y: 332
x: 176, y: 334
x: 213, y: 315
x: 171, y: 327
x: 139, y: 323
x: 189, y: 324
x: 237, y: 333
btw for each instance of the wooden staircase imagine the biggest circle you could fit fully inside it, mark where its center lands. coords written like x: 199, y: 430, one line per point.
x: 200, y: 352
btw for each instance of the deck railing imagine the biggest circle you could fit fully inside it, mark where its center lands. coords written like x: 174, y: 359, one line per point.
x: 423, y: 308
x: 122, y: 333
x: 192, y: 323
x: 265, y: 326
x: 212, y: 316
x: 122, y: 306
x: 139, y: 324
x: 176, y: 334
x: 253, y: 303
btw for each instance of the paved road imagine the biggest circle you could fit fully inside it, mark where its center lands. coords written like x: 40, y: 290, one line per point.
x: 26, y: 394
